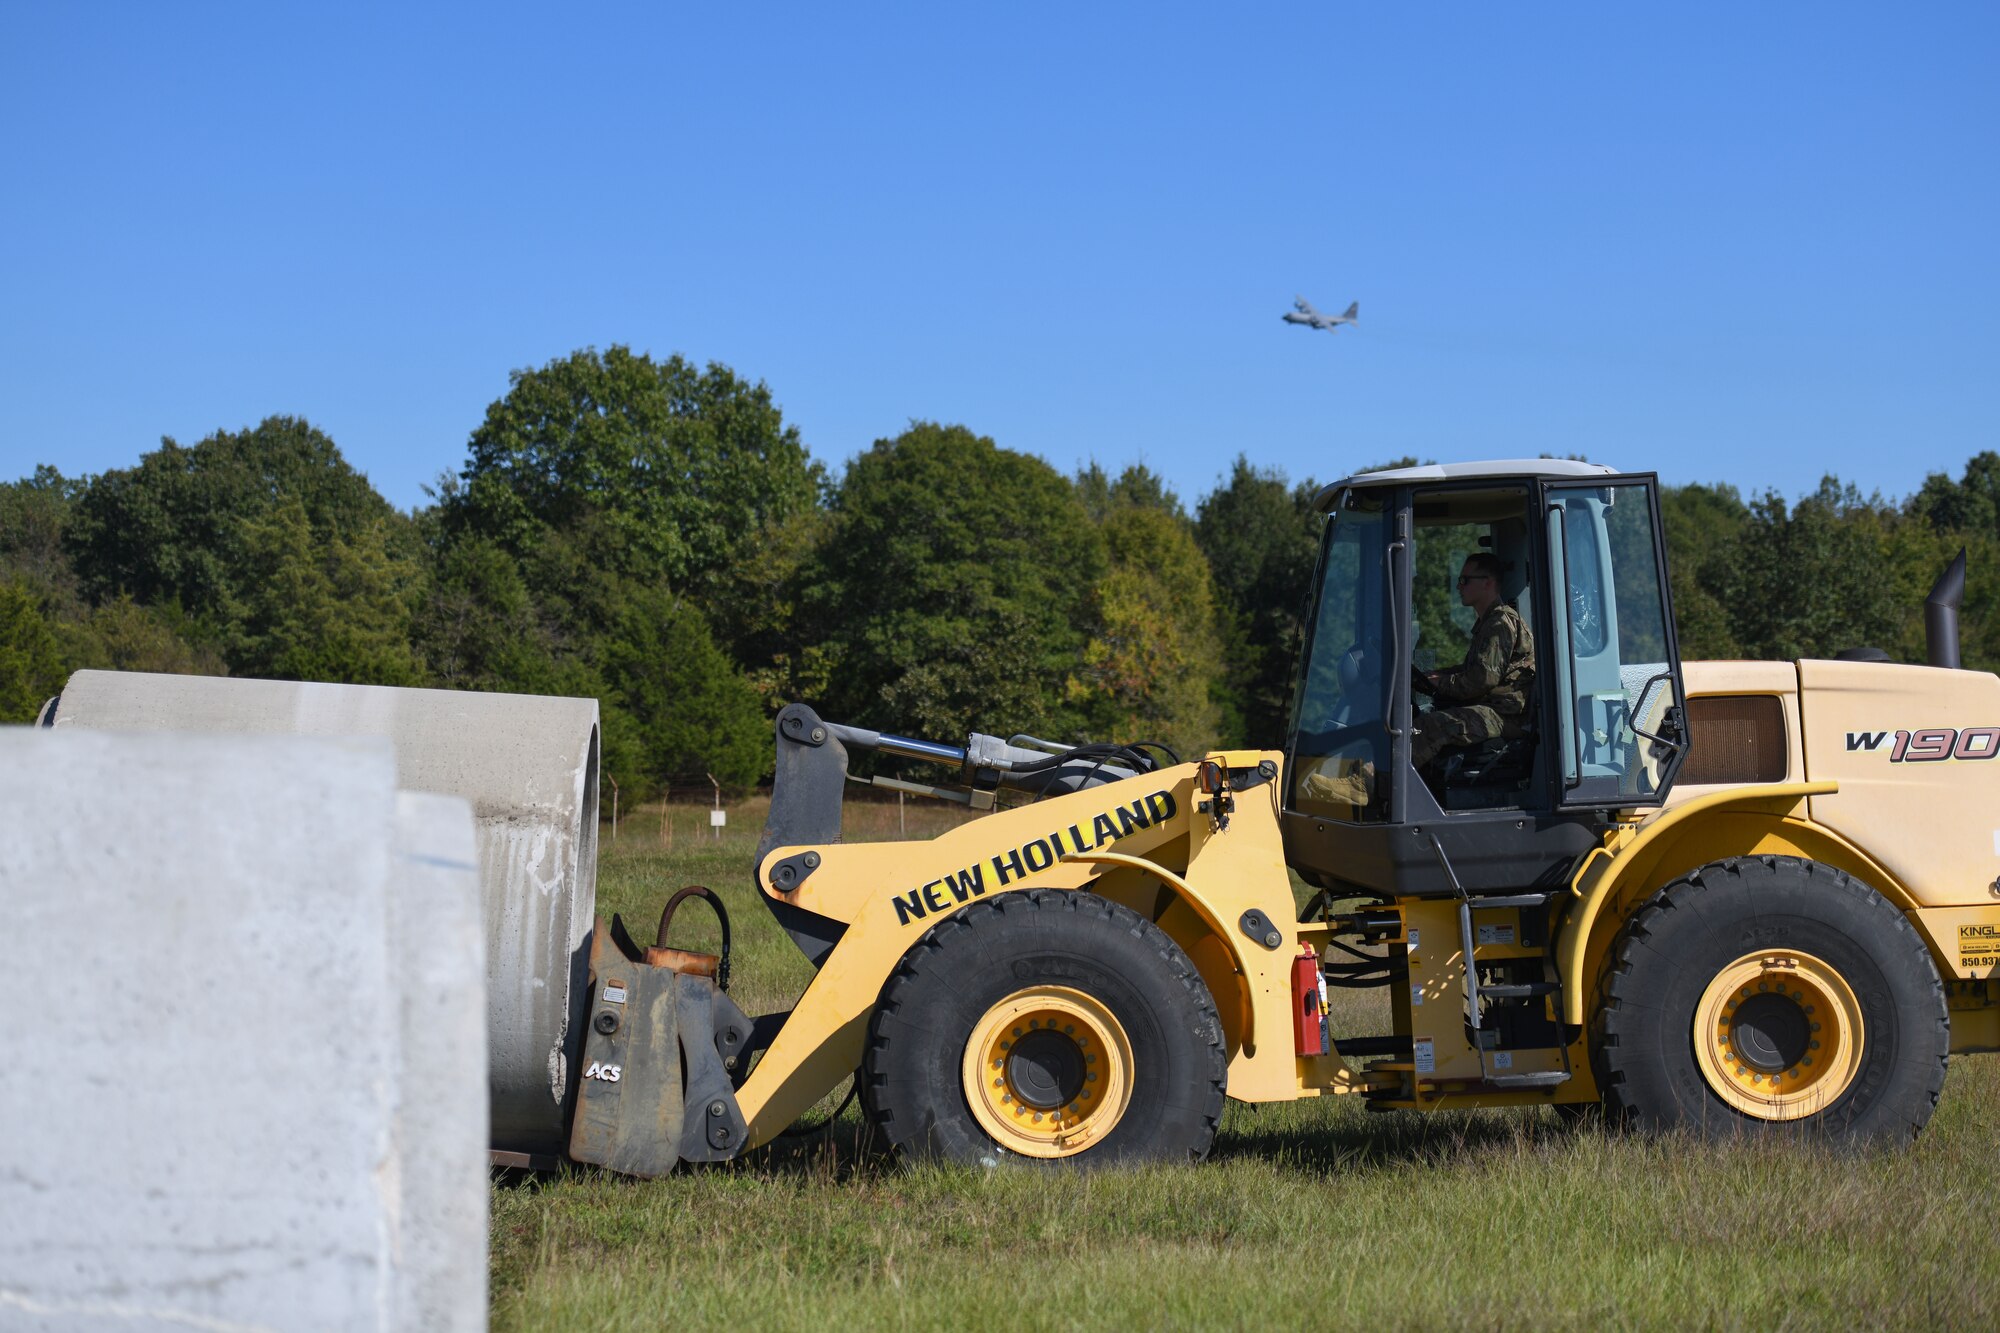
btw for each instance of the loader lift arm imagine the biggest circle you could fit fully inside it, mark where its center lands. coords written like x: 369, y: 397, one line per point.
x: 811, y: 777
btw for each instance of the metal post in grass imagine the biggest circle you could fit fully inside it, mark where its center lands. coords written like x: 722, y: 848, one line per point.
x: 614, y: 806
x: 716, y: 817
x: 666, y: 819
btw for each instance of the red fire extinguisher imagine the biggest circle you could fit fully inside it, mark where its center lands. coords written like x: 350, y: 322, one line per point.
x: 1311, y: 1034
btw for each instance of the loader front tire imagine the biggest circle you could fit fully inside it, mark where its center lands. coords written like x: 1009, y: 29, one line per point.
x: 1048, y: 1026
x: 1769, y: 994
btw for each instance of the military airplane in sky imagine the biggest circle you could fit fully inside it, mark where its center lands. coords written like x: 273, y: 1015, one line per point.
x: 1303, y: 313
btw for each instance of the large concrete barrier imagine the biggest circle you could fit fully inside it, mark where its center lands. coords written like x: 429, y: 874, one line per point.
x: 529, y: 767
x: 244, y: 1055
x: 437, y: 957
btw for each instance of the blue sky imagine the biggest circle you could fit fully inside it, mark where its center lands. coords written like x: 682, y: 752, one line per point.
x: 1730, y: 243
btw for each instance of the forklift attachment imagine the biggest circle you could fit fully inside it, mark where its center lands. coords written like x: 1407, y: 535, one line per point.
x: 655, y: 1086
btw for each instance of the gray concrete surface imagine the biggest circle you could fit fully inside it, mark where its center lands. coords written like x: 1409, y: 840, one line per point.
x: 437, y: 953
x: 232, y: 1098
x: 529, y: 767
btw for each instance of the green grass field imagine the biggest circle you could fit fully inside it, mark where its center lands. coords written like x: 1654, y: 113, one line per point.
x: 1312, y: 1214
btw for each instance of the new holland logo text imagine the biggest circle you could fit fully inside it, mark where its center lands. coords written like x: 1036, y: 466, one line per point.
x: 1930, y: 744
x: 962, y: 885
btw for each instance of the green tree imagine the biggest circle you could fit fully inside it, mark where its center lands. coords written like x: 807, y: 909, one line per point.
x: 763, y: 597
x: 118, y: 634
x: 1819, y: 576
x: 658, y: 471
x: 478, y: 627
x: 1151, y: 663
x: 952, y: 587
x: 177, y: 527
x: 122, y: 635
x: 31, y: 664
x: 1261, y: 537
x: 1968, y: 505
x: 33, y: 513
x: 1138, y: 486
x: 691, y: 712
x: 333, y: 610
x: 475, y: 617
x: 1703, y: 525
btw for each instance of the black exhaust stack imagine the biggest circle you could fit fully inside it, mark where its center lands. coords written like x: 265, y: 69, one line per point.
x: 1941, y: 613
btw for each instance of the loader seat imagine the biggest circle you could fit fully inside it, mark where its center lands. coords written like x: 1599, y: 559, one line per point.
x: 1492, y: 774
x: 1501, y: 761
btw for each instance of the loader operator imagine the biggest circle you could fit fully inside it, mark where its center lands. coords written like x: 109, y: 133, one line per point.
x: 1485, y: 697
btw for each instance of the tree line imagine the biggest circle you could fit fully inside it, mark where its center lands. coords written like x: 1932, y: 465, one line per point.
x: 653, y: 534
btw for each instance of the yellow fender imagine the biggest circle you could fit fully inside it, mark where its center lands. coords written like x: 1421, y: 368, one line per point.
x: 1637, y: 859
x: 1254, y: 1000
x: 888, y: 893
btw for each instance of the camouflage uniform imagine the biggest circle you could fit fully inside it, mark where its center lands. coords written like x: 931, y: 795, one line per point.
x: 1488, y: 694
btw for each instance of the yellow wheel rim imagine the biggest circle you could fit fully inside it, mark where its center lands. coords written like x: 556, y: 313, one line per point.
x: 1048, y: 1072
x: 1778, y: 1034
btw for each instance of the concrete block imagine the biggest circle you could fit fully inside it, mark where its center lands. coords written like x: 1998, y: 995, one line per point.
x: 528, y: 765
x: 223, y: 1106
x: 437, y: 950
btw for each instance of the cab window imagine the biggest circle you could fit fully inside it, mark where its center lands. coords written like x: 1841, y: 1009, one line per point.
x: 1337, y: 714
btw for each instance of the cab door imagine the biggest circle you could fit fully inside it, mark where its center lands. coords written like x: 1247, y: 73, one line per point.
x: 1620, y: 716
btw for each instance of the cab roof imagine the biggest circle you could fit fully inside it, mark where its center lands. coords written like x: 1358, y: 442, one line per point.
x: 1495, y: 469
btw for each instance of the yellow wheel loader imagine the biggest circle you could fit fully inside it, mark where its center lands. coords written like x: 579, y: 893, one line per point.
x: 1736, y: 897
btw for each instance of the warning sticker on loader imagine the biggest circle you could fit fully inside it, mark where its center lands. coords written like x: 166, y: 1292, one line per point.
x: 1496, y: 935
x: 1425, y: 1052
x: 1979, y: 945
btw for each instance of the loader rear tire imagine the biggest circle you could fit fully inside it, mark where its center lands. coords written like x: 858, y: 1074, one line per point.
x: 1048, y: 1026
x: 1772, y: 995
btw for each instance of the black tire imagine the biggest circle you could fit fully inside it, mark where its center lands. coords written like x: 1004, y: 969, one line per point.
x: 1687, y: 938
x: 955, y: 975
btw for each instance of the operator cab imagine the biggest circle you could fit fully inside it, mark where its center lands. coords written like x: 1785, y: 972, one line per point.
x: 1513, y: 786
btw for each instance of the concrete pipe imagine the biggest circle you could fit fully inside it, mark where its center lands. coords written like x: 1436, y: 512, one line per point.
x: 527, y: 764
